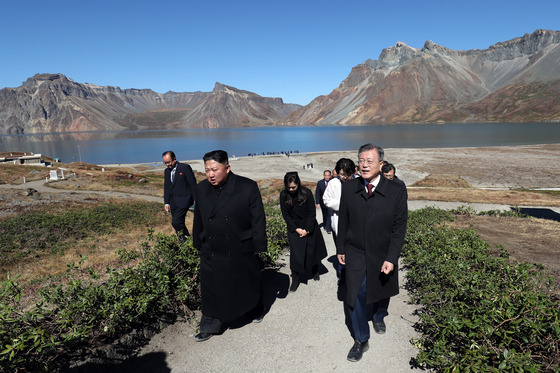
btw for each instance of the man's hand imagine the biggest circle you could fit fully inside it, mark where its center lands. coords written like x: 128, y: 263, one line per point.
x: 387, y: 267
x: 341, y: 258
x: 167, y: 208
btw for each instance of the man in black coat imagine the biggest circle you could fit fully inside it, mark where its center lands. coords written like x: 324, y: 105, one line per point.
x: 371, y: 229
x: 319, y: 191
x: 178, y: 192
x: 389, y: 171
x: 229, y: 230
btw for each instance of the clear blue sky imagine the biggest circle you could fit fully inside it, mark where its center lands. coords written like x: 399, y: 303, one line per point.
x: 296, y: 50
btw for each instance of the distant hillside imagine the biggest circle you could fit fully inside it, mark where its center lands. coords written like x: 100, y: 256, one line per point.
x: 514, y: 81
x: 54, y: 103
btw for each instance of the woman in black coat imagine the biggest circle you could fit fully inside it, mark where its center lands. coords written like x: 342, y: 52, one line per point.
x: 307, y: 247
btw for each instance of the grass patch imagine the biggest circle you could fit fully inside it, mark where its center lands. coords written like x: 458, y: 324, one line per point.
x: 443, y: 180
x: 38, y: 233
x: 14, y: 174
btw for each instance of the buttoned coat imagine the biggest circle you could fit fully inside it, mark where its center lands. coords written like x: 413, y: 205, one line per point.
x: 371, y: 230
x: 181, y: 192
x: 305, y: 252
x: 319, y: 191
x: 229, y: 229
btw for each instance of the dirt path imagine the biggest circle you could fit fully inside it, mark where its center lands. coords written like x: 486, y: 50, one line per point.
x: 303, y: 331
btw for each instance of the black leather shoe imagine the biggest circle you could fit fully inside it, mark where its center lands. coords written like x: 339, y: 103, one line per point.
x: 258, y: 319
x: 316, y: 276
x: 357, y: 351
x: 295, y: 283
x: 201, y: 337
x: 379, y: 327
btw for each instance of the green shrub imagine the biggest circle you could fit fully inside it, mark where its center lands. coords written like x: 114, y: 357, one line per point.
x: 478, y: 312
x: 277, y: 236
x: 160, y: 278
x: 87, y: 303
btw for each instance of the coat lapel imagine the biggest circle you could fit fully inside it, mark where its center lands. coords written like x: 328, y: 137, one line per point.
x: 381, y: 187
x: 225, y: 195
x: 361, y: 188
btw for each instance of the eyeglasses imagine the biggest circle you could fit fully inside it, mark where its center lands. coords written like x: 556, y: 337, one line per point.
x: 369, y: 162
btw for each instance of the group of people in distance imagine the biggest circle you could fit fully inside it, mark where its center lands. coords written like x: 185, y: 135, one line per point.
x: 366, y: 210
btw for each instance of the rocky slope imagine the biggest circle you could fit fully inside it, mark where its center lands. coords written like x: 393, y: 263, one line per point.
x: 513, y: 81
x: 517, y: 80
x: 54, y: 103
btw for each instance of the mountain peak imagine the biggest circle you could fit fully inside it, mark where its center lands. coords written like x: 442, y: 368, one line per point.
x: 46, y: 77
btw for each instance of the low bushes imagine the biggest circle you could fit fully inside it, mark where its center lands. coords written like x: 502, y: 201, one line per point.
x: 88, y: 306
x: 479, y: 313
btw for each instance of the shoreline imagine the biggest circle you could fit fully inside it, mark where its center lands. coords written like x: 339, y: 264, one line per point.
x: 519, y: 166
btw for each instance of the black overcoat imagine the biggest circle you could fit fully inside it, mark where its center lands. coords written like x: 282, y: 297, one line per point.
x: 229, y: 229
x: 306, y: 251
x: 371, y: 230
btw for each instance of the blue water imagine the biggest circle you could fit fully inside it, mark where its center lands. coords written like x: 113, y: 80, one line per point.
x: 147, y: 146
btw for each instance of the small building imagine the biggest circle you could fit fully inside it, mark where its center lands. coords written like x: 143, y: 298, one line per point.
x: 21, y: 158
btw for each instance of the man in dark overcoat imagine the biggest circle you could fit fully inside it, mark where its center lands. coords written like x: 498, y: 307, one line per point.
x: 319, y: 191
x: 229, y: 230
x: 178, y: 192
x: 371, y: 229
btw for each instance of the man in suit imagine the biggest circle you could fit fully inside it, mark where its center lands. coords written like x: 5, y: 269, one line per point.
x: 178, y: 192
x: 229, y: 230
x: 319, y: 191
x: 389, y: 171
x: 371, y: 229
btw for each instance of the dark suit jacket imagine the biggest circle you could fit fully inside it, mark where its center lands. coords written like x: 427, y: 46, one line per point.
x: 371, y: 230
x: 319, y: 191
x: 229, y: 229
x: 180, y: 193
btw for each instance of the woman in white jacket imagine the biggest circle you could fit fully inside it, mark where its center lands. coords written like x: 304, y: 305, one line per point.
x: 345, y: 169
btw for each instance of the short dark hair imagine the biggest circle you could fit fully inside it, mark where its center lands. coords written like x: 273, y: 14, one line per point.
x: 378, y: 149
x: 346, y: 165
x: 220, y: 156
x: 387, y: 168
x: 171, y: 154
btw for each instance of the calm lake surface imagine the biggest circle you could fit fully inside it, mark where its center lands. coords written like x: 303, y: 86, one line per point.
x: 147, y: 146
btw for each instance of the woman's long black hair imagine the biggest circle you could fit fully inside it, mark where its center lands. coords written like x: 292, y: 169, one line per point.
x: 300, y: 197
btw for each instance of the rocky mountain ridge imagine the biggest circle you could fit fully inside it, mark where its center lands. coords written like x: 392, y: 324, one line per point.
x: 513, y: 81
x: 516, y: 80
x: 54, y: 103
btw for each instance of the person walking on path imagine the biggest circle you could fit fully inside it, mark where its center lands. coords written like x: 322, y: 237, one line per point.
x: 344, y: 169
x: 178, y: 192
x: 371, y: 229
x: 319, y: 190
x: 229, y: 230
x: 307, y: 247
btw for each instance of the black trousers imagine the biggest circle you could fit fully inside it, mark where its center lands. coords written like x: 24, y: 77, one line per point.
x: 178, y: 216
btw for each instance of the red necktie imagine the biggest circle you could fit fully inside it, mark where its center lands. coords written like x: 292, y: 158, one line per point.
x: 369, y: 189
